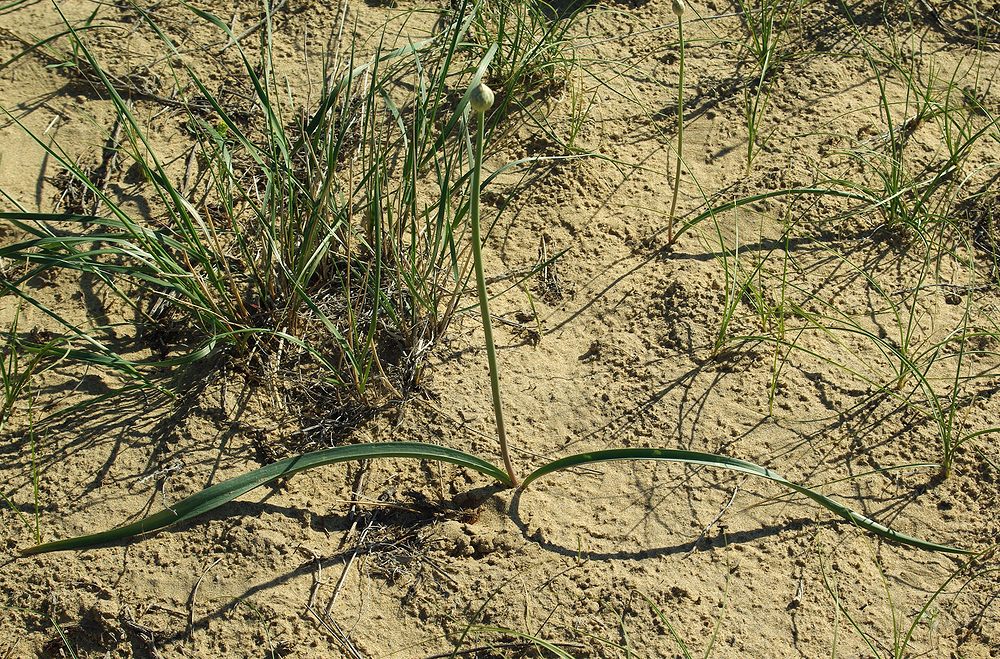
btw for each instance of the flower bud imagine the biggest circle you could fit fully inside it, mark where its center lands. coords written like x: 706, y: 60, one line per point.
x: 678, y: 8
x: 482, y: 98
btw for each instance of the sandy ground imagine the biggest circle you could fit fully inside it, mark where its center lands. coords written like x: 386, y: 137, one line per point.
x: 397, y: 559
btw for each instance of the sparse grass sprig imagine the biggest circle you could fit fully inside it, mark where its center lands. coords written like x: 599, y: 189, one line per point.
x: 534, y: 50
x: 743, y: 284
x: 917, y: 362
x: 16, y: 373
x: 903, y: 633
x: 676, y: 636
x: 554, y: 648
x: 766, y: 25
x: 677, y: 6
x: 940, y: 408
x: 919, y: 191
x: 834, y: 188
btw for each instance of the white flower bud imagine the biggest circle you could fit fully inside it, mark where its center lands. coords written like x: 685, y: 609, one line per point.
x: 482, y: 98
x: 678, y: 8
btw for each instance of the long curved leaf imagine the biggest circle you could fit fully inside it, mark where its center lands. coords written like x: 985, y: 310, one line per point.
x: 742, y: 466
x: 220, y: 493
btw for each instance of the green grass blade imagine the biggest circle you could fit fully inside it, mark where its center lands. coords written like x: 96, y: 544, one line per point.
x: 742, y: 466
x: 534, y: 640
x: 212, y: 497
x: 786, y: 192
x: 42, y: 44
x: 670, y: 628
x: 462, y: 104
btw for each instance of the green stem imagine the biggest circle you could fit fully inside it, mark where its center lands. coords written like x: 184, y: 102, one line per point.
x: 680, y: 134
x: 484, y: 306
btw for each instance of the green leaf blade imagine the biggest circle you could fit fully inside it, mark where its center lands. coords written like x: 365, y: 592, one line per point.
x: 221, y: 493
x: 740, y: 466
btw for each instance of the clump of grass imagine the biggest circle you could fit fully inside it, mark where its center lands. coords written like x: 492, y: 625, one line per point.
x: 293, y: 244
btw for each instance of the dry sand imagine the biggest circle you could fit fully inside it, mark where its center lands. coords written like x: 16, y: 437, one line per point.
x: 430, y: 557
